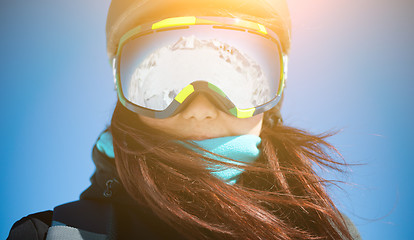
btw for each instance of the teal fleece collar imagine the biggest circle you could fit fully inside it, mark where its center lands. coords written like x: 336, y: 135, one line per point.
x: 105, y: 144
x: 244, y: 148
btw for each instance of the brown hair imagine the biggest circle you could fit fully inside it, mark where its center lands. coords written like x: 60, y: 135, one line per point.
x: 279, y: 197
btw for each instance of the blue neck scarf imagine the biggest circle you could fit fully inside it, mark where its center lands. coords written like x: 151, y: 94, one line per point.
x: 243, y: 148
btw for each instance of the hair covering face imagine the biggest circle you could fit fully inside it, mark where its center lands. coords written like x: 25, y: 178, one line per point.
x: 124, y: 15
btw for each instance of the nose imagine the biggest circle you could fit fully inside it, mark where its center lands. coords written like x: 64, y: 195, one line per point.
x: 200, y: 108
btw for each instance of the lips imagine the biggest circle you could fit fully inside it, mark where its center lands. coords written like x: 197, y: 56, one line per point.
x: 199, y: 138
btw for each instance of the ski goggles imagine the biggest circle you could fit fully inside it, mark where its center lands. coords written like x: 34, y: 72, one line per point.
x: 161, y: 66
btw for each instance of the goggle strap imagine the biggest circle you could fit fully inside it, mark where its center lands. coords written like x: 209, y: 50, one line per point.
x: 114, y: 71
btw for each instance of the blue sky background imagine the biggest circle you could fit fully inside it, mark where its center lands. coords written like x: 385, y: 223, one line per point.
x: 351, y: 68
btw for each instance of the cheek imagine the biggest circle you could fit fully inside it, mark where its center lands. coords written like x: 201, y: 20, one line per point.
x: 251, y: 125
x: 160, y: 124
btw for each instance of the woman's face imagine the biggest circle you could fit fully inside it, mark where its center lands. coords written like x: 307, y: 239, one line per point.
x: 202, y: 120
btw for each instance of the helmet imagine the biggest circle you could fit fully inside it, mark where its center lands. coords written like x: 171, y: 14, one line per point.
x: 123, y: 15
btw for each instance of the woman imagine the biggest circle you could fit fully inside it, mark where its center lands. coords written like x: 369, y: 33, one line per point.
x: 196, y: 148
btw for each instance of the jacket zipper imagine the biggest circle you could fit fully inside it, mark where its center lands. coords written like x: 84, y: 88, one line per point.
x: 109, y: 187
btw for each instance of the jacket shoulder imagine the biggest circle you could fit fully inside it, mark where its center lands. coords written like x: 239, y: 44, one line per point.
x: 351, y: 227
x: 33, y: 226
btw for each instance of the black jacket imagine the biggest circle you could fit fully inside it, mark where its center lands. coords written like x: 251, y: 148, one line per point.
x: 126, y: 219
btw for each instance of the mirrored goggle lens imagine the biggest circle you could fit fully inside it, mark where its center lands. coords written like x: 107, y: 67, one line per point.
x: 156, y: 66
